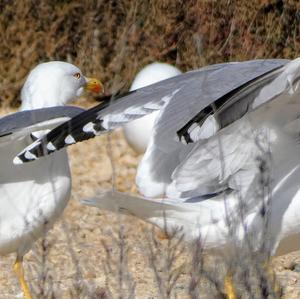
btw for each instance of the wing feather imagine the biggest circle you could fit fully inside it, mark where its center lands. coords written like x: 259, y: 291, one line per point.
x: 189, y: 93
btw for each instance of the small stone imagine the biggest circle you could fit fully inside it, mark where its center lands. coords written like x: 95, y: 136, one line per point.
x: 296, y: 268
x: 292, y: 281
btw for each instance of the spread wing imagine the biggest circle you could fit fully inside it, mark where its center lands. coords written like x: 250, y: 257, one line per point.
x: 235, y: 157
x: 190, y: 92
x: 164, y: 152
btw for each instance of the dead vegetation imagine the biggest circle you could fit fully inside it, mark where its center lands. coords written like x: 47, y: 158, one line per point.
x: 113, y: 39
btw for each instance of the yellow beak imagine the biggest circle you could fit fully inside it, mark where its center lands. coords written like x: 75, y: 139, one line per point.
x: 94, y: 85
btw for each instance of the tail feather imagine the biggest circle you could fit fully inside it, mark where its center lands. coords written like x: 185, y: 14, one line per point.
x: 191, y: 216
x: 128, y: 204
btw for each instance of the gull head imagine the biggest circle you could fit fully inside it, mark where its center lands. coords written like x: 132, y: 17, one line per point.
x: 55, y: 83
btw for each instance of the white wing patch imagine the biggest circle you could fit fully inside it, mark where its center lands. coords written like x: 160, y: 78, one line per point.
x: 209, y: 128
x: 88, y: 128
x: 50, y: 146
x: 30, y: 156
x: 70, y: 140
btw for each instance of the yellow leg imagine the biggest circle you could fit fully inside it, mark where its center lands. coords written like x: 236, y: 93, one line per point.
x: 229, y: 287
x: 18, y: 268
x: 272, y: 278
x: 162, y: 234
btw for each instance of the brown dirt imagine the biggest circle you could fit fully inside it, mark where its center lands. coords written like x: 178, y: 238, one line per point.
x: 80, y: 257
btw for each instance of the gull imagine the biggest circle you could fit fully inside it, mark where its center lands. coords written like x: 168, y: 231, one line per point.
x: 210, y: 146
x: 217, y: 128
x: 223, y: 156
x: 138, y: 132
x: 33, y: 196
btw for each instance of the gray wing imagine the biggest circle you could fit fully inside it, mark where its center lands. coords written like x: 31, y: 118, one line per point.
x: 187, y: 94
x: 234, y: 85
x: 191, y: 92
x: 23, y: 123
x: 232, y: 157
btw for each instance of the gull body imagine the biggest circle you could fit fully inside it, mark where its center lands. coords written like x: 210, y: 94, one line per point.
x: 138, y: 132
x: 266, y: 136
x: 31, y: 199
x: 33, y: 196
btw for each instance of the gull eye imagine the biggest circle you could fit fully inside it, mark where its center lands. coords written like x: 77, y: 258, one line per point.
x: 77, y: 75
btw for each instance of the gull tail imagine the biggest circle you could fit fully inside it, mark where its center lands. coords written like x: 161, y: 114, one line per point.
x: 189, y: 217
x: 129, y: 204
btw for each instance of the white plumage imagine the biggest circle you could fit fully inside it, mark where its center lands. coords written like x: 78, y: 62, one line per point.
x: 34, y: 195
x: 226, y: 181
x: 243, y: 173
x: 138, y: 132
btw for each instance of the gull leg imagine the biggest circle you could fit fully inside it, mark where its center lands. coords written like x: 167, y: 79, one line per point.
x: 18, y: 268
x: 134, y: 189
x: 162, y: 235
x: 229, y: 287
x: 271, y: 277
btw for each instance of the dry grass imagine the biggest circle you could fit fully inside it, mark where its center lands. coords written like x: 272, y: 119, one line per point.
x: 113, y: 39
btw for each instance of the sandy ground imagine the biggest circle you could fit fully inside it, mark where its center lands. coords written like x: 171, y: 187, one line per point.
x: 82, y: 257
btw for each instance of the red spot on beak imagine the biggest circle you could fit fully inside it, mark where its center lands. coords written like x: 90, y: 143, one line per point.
x: 94, y: 85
